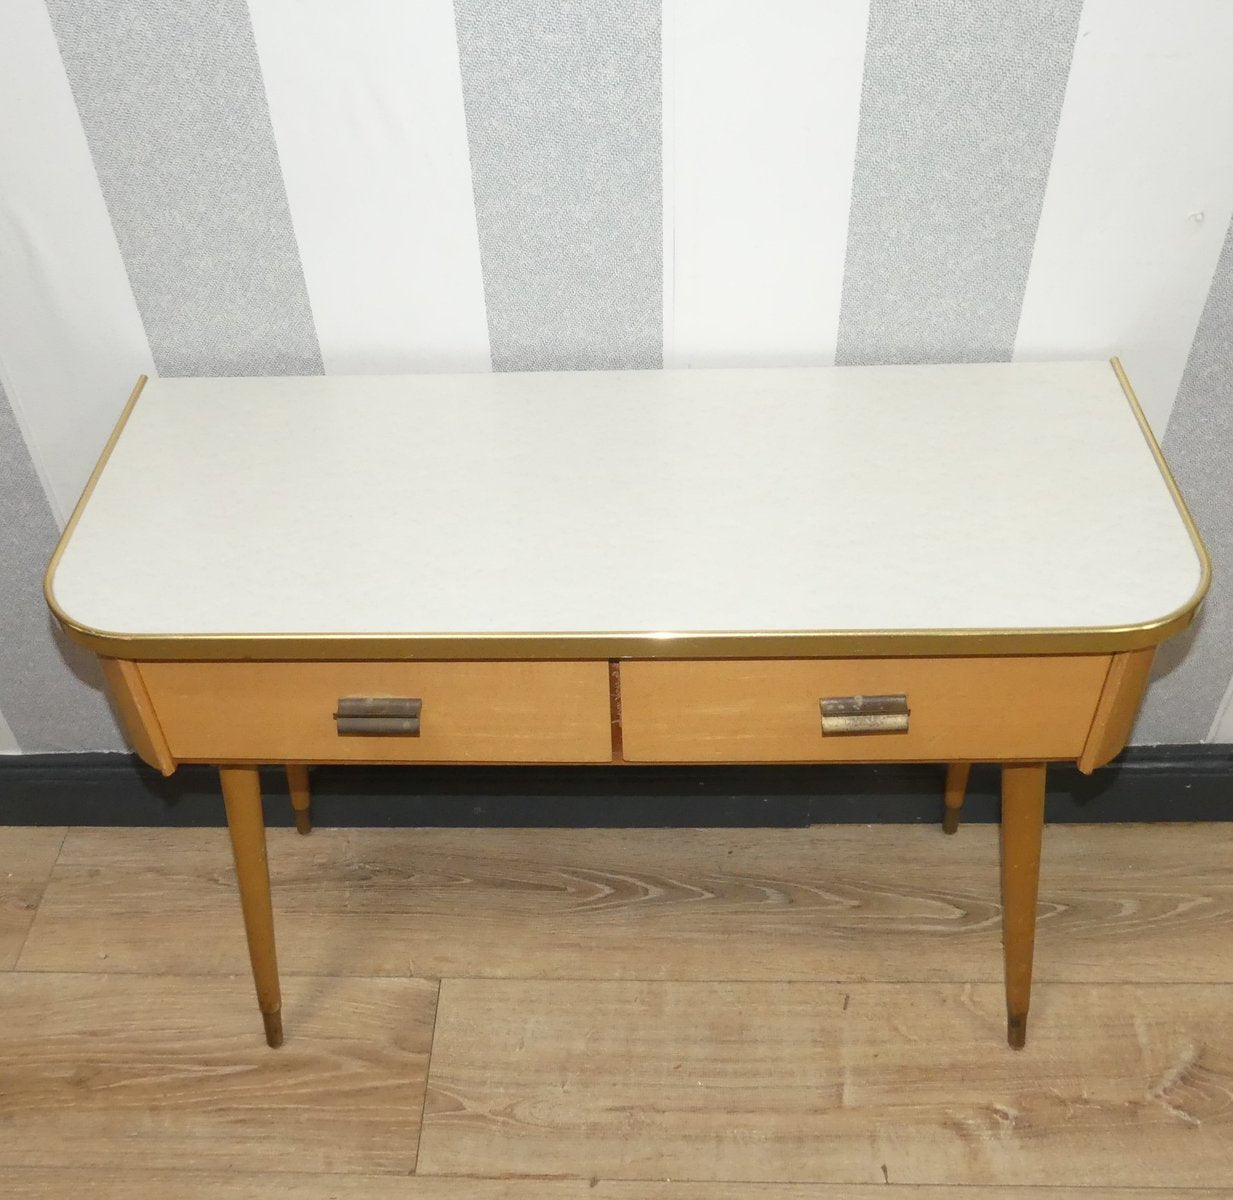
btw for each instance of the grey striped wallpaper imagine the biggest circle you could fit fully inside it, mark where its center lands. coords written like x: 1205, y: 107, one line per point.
x: 159, y: 203
x: 174, y: 111
x: 943, y: 213
x: 566, y: 171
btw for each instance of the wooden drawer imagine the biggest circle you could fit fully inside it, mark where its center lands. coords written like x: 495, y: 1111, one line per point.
x: 767, y: 710
x: 497, y: 712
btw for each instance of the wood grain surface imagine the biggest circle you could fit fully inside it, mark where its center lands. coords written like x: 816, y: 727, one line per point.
x: 472, y: 711
x: 861, y: 1083
x: 132, y: 703
x: 767, y: 710
x: 1144, y: 903
x: 22, y: 1184
x: 173, y: 1072
x: 26, y: 859
x: 658, y: 1035
x: 1118, y: 706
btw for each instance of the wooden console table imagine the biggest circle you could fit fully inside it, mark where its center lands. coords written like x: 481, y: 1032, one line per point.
x: 865, y: 564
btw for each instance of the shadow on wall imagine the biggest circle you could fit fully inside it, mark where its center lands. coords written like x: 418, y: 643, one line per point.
x: 83, y: 664
x: 1174, y: 652
x: 1164, y: 711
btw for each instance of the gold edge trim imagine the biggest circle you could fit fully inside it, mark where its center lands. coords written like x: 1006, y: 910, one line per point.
x: 531, y: 646
x: 871, y: 643
x: 65, y: 620
x: 1196, y: 538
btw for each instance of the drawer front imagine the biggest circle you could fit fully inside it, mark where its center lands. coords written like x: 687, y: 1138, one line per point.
x: 768, y: 710
x: 471, y: 712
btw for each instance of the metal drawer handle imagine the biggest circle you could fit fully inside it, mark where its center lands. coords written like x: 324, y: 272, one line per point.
x: 865, y: 714
x: 378, y: 716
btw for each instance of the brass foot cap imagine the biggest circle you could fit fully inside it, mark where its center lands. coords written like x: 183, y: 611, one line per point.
x: 1016, y: 1031
x: 304, y: 821
x: 950, y: 821
x: 273, y: 1029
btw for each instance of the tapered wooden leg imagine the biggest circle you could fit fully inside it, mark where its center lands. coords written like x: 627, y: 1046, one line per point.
x: 301, y: 797
x: 956, y: 788
x: 1023, y: 819
x: 242, y: 796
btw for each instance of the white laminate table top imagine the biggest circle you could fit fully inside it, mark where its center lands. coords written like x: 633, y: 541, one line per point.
x: 654, y: 503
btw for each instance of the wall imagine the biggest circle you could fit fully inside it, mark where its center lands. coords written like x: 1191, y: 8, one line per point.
x: 297, y: 186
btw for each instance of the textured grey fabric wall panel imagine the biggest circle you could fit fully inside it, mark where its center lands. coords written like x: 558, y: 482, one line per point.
x: 564, y: 123
x: 171, y: 99
x: 50, y: 690
x: 1193, y: 671
x: 959, y: 110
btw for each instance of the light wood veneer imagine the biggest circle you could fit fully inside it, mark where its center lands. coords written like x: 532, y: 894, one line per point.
x: 767, y: 710
x: 473, y: 711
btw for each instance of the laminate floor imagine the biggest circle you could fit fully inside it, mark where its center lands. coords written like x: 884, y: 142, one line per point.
x: 637, y: 1015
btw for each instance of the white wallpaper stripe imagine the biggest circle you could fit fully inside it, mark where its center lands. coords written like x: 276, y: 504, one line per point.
x: 1140, y: 192
x: 8, y: 743
x: 761, y: 109
x: 71, y: 340
x: 366, y: 104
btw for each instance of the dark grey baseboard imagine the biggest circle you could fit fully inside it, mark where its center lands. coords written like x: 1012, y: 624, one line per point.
x: 1159, y: 783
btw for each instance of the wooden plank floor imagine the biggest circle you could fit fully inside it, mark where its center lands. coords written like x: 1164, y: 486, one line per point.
x: 26, y: 859
x: 638, y: 1015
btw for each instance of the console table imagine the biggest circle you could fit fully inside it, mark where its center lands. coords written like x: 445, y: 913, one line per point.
x: 856, y: 564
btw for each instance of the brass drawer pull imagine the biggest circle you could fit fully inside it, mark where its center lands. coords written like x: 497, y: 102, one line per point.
x: 378, y: 716
x: 865, y: 714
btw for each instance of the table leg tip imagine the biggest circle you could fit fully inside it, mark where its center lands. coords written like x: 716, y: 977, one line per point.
x: 273, y: 1029
x: 1016, y: 1031
x: 304, y: 823
x: 950, y: 822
